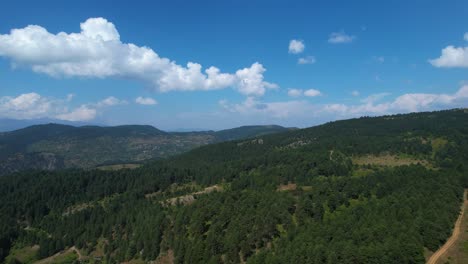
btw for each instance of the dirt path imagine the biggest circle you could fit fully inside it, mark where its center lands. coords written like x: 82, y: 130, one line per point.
x: 456, y: 233
x: 51, y: 259
x: 80, y: 257
x: 190, y: 198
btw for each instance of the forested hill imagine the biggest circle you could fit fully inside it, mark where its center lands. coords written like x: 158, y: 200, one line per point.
x: 368, y: 190
x: 55, y: 146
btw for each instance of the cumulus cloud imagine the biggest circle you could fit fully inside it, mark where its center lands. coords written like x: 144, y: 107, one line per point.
x: 299, y: 92
x: 294, y: 92
x: 34, y: 106
x: 312, y: 93
x: 340, y: 37
x: 355, y: 93
x: 25, y: 106
x: 111, y: 101
x: 307, y: 60
x: 296, y: 46
x: 97, y: 52
x: 452, y: 57
x: 145, y: 101
x: 82, y: 113
x: 251, y: 81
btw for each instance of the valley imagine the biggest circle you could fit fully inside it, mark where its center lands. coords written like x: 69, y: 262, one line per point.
x: 387, y: 194
x: 55, y: 146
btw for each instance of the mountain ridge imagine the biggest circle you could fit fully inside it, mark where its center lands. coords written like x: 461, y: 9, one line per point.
x: 89, y: 146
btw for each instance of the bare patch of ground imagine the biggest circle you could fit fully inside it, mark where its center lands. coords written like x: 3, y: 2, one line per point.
x: 388, y: 160
x: 119, y: 166
x: 190, y: 198
x: 65, y: 256
x: 76, y: 208
x: 166, y: 258
x: 153, y: 194
x: 287, y: 187
x: 174, y: 189
x: 253, y: 141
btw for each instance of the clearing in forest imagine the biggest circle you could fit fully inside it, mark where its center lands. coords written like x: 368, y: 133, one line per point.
x: 388, y: 160
x: 119, y: 166
x: 190, y: 198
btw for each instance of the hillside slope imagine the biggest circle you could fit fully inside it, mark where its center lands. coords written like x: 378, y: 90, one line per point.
x: 366, y: 190
x: 55, y: 146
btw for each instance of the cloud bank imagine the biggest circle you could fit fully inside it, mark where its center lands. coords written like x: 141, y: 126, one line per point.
x: 97, y: 52
x: 305, y: 112
x: 35, y: 106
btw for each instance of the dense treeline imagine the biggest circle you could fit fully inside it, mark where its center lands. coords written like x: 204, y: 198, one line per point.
x: 335, y: 212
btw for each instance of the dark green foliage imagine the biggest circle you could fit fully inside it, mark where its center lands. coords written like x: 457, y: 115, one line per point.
x: 331, y: 215
x: 56, y: 146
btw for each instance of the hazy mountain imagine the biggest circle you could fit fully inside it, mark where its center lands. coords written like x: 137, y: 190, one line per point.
x: 14, y: 124
x: 54, y: 146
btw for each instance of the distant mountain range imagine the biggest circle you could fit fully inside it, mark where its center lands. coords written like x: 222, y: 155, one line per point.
x: 7, y: 124
x: 58, y: 146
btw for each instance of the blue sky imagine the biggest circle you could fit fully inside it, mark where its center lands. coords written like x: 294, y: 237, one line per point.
x: 293, y: 64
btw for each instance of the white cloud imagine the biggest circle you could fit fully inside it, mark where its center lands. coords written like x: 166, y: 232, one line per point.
x: 294, y: 92
x: 340, y: 37
x: 82, y: 113
x: 411, y: 102
x: 111, y: 101
x: 251, y: 81
x: 34, y: 106
x: 97, y: 52
x: 307, y: 60
x: 296, y: 46
x: 299, y: 92
x: 145, y: 101
x: 296, y: 112
x: 25, y: 106
x: 312, y: 93
x: 355, y: 93
x: 452, y: 57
